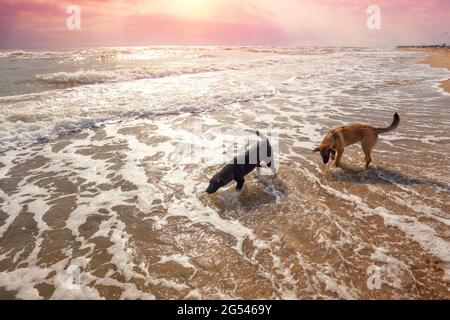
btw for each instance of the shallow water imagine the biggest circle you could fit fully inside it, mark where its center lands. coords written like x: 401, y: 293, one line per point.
x: 98, y: 201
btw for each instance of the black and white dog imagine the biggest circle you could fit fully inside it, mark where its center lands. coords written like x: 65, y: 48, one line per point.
x: 243, y: 164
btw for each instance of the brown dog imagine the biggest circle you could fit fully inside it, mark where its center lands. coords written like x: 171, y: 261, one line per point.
x: 337, y: 139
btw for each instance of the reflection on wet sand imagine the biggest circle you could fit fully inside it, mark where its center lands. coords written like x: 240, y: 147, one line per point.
x: 137, y: 225
x: 112, y: 212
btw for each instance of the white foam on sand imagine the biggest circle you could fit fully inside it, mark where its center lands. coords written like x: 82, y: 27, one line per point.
x: 418, y: 231
x: 340, y: 289
x: 62, y: 111
x: 310, y: 98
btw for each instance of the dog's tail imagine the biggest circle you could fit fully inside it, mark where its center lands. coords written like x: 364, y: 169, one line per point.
x: 265, y: 154
x: 259, y: 134
x: 393, y: 125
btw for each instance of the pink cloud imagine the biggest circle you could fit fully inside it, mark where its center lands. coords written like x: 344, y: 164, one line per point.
x: 41, y: 23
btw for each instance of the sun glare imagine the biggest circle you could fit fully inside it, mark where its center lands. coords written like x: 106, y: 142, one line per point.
x: 192, y: 8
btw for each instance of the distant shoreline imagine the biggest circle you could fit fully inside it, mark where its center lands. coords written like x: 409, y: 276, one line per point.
x: 440, y: 58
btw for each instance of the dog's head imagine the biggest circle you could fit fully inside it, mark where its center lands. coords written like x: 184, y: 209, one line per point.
x: 325, y: 152
x: 215, y: 184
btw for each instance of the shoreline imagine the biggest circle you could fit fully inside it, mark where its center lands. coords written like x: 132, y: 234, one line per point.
x: 439, y: 58
x: 118, y: 211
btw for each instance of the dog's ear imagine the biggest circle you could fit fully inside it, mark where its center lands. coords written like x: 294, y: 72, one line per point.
x: 316, y: 150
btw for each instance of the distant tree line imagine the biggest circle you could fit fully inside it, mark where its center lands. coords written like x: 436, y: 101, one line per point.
x: 426, y: 46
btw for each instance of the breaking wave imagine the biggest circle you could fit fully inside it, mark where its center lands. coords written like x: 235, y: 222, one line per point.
x: 82, y: 77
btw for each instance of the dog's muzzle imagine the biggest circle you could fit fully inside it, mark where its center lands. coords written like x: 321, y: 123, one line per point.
x: 211, y: 188
x: 325, y: 156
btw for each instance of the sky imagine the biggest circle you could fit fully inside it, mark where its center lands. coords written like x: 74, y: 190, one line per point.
x: 43, y: 23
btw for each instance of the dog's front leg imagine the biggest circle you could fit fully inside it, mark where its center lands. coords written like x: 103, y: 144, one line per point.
x: 238, y: 176
x: 333, y: 155
x: 240, y: 184
x: 338, y: 157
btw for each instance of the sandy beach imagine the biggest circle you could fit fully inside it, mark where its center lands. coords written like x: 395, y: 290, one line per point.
x: 97, y: 203
x: 439, y: 58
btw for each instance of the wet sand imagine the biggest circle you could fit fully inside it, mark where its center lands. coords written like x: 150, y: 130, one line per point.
x: 440, y: 58
x: 140, y: 232
x: 113, y: 213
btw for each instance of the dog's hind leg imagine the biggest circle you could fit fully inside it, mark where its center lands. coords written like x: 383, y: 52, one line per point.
x: 368, y: 158
x: 367, y: 147
x: 258, y: 169
x: 271, y: 165
x: 274, y: 170
x: 240, y: 184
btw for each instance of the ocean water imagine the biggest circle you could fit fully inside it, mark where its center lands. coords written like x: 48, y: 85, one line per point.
x: 105, y: 154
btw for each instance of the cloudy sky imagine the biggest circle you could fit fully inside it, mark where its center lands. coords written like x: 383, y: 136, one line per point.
x: 42, y: 23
